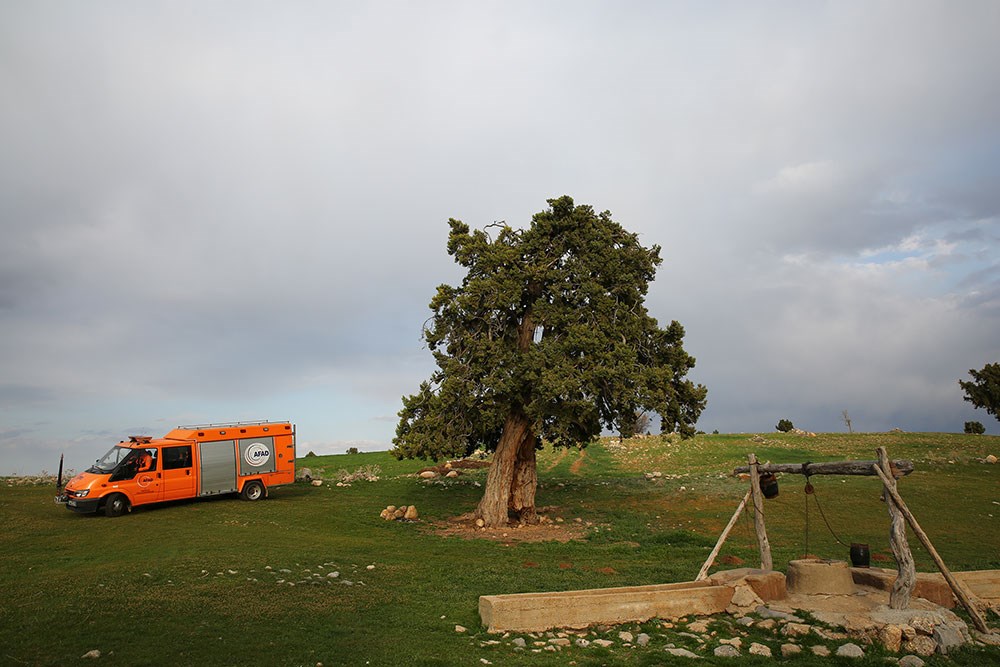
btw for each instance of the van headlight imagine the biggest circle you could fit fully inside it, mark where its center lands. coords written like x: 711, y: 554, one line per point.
x: 82, y: 494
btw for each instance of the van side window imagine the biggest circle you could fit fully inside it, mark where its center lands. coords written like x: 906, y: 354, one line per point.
x: 176, y: 457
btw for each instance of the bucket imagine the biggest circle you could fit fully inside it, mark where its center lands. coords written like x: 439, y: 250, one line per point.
x: 769, y: 485
x: 860, y: 556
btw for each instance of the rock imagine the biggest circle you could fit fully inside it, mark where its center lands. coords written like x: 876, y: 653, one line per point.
x: 766, y: 624
x: 745, y: 621
x: 642, y: 639
x: 386, y: 514
x: 626, y: 637
x: 559, y: 641
x: 480, y: 523
x: 700, y: 627
x: 303, y: 475
x: 92, y: 654
x: 391, y: 508
x: 796, y: 629
x: 744, y: 596
x: 411, y: 513
x: 991, y: 639
x: 921, y: 645
x: 428, y: 474
x: 726, y: 651
x: 735, y: 642
x: 682, y: 653
x: 948, y: 638
x: 991, y: 459
x: 891, y: 637
x: 317, y: 482
x: 452, y: 473
x: 788, y: 650
x: 519, y: 641
x: 910, y: 661
x: 460, y: 628
x: 820, y: 650
x: 760, y: 649
x: 398, y: 514
x: 850, y: 651
x: 582, y: 643
x: 603, y: 643
x: 924, y: 625
x: 767, y: 612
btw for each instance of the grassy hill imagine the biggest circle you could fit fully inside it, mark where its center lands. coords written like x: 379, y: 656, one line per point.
x: 225, y: 582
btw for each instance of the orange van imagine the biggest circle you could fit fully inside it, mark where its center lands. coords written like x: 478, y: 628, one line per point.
x: 247, y: 458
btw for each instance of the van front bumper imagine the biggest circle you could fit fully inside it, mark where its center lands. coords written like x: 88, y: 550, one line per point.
x: 79, y: 505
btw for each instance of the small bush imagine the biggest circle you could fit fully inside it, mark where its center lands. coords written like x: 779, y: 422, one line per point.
x: 974, y: 428
x: 785, y: 425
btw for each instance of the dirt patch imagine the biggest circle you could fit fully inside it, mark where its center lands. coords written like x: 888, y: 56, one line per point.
x: 464, y: 526
x: 460, y: 465
x: 578, y: 464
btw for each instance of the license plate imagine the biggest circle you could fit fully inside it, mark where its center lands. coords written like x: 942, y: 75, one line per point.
x: 71, y: 503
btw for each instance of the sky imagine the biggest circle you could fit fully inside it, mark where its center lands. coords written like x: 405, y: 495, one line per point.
x: 223, y: 211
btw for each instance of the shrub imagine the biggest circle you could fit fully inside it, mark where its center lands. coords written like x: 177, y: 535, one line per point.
x: 975, y: 428
x: 352, y: 450
x: 785, y: 425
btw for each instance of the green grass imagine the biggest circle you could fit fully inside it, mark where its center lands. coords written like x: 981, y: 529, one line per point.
x: 198, y: 582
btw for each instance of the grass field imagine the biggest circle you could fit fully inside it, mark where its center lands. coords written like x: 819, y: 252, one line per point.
x: 225, y: 582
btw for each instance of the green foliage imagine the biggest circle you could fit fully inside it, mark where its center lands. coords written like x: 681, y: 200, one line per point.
x: 352, y: 450
x: 984, y: 389
x: 785, y: 425
x: 549, y: 323
x: 975, y: 428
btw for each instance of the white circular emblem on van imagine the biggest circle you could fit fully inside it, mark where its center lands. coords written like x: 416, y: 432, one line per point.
x: 257, y: 455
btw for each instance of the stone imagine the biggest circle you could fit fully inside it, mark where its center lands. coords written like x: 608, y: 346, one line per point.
x: 411, y: 513
x: 726, y: 651
x: 642, y: 639
x: 810, y: 576
x: 744, y: 596
x: 891, y: 637
x: 317, y: 482
x: 767, y: 624
x: 682, y: 653
x: 921, y: 645
x: 910, y: 661
x: 991, y: 459
x: 603, y: 643
x: 698, y: 626
x: 796, y: 629
x: 428, y: 474
x: 559, y: 641
x: 820, y: 650
x: 582, y: 643
x: 745, y: 621
x: 303, y: 475
x: 948, y: 638
x: 850, y: 651
x: 788, y: 650
x: 459, y: 628
x: 767, y: 612
x: 760, y: 649
x: 92, y: 654
x: 734, y: 641
x: 768, y: 586
x: 519, y: 641
x: 452, y: 474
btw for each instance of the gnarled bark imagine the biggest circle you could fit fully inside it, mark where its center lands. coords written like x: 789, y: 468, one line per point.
x: 521, y: 505
x: 496, y: 497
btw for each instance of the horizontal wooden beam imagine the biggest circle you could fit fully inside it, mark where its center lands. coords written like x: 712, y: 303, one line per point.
x: 899, y: 468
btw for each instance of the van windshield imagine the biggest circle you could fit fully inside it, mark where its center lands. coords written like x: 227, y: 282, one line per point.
x: 110, y: 461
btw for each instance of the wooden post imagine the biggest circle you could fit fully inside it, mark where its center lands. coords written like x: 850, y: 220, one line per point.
x: 958, y: 589
x: 703, y: 572
x: 758, y: 514
x: 906, y: 577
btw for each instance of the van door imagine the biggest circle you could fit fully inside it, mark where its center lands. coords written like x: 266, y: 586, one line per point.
x: 178, y: 473
x: 139, y: 476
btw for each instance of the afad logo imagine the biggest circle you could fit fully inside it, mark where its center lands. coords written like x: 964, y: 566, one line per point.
x: 144, y: 480
x: 257, y: 455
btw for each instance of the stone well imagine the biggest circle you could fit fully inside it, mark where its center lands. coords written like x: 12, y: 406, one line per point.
x: 814, y: 576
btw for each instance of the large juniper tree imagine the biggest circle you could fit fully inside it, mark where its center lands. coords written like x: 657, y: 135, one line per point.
x: 547, y: 338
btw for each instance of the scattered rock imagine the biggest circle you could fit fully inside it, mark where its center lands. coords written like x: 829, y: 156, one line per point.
x: 921, y: 645
x: 850, y: 651
x: 92, y: 654
x: 735, y: 642
x: 460, y: 628
x: 519, y: 641
x: 428, y: 474
x: 891, y: 637
x: 698, y: 626
x: 582, y: 643
x: 317, y: 482
x: 820, y: 650
x: 480, y: 523
x: 948, y: 638
x: 411, y: 513
x: 991, y: 459
x: 766, y: 624
x: 745, y: 621
x: 910, y: 661
x: 788, y: 650
x: 682, y: 653
x: 642, y: 639
x: 726, y: 651
x: 303, y: 475
x: 603, y: 643
x: 452, y: 473
x: 760, y: 649
x: 767, y: 612
x: 796, y: 629
x: 626, y: 637
x: 559, y: 641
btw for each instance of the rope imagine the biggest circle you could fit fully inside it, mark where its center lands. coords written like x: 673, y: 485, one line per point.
x: 828, y: 526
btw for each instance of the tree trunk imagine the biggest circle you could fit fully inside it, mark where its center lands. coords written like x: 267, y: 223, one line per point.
x: 522, y: 487
x: 496, y: 498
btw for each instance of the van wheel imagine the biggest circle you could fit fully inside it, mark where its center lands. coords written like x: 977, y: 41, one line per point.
x: 252, y: 491
x: 116, y: 505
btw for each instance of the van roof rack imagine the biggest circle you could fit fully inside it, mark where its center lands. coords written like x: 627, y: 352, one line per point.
x: 257, y: 422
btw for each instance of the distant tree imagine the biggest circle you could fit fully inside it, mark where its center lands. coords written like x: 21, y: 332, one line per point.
x: 984, y: 389
x: 636, y: 426
x: 974, y: 428
x: 784, y: 425
x: 353, y: 450
x: 547, y: 337
x: 847, y: 420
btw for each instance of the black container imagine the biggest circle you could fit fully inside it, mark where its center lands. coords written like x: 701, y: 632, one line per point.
x: 769, y: 485
x: 860, y: 556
